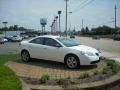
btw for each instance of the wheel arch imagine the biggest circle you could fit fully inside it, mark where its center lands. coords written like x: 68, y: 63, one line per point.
x: 71, y: 54
x: 24, y: 50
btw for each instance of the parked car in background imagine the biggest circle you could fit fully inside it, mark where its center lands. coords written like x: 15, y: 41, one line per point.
x: 5, y: 39
x: 2, y: 40
x: 16, y: 38
x: 60, y: 49
x: 116, y: 37
x: 72, y: 36
x: 9, y: 38
x: 25, y: 36
x: 96, y: 37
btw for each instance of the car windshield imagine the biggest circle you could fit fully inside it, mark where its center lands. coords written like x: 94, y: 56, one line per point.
x: 68, y: 42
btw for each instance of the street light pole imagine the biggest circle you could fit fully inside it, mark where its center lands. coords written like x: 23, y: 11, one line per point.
x: 59, y: 12
x: 115, y: 18
x: 66, y: 16
x: 56, y: 24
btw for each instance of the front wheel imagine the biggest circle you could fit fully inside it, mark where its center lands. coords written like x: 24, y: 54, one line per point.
x: 72, y: 61
x: 25, y: 56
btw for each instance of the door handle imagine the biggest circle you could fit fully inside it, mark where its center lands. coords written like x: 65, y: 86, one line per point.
x: 44, y: 48
x: 29, y: 46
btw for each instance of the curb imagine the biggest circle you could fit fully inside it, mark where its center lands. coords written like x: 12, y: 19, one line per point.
x: 98, y: 85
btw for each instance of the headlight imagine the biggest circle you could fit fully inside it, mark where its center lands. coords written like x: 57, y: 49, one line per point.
x: 89, y: 54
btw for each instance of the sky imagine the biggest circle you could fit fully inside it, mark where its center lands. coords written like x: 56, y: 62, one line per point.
x: 27, y: 13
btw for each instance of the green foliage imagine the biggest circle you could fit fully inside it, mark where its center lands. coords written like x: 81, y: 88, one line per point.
x: 101, y: 30
x: 85, y: 31
x: 104, y: 30
x: 1, y: 32
x: 14, y: 28
x: 84, y: 75
x: 105, y: 70
x: 96, y: 72
x: 8, y: 79
x: 113, y: 65
x: 5, y: 58
x: 44, y: 78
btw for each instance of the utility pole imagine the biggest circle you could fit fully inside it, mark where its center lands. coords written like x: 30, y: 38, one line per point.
x: 66, y: 16
x: 115, y: 18
x: 82, y: 23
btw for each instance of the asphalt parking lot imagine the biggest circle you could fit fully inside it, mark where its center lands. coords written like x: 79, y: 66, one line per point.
x: 109, y: 47
x: 9, y: 48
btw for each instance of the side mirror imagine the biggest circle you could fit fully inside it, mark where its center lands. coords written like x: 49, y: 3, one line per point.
x: 58, y: 45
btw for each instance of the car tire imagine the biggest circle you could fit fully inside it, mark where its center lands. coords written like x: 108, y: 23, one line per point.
x: 72, y: 61
x: 25, y: 56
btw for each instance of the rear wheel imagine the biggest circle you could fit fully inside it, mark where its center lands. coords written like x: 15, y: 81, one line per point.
x: 25, y: 56
x: 72, y: 61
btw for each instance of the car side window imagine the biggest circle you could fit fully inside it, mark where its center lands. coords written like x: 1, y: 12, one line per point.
x: 37, y: 41
x: 51, y: 42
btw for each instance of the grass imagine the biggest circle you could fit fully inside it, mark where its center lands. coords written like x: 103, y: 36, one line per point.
x: 6, y: 58
x: 8, y: 78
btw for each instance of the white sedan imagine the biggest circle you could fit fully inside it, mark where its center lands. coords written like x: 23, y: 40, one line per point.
x: 60, y: 49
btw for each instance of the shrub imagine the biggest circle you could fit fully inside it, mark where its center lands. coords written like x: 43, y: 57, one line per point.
x: 114, y: 66
x: 96, y: 72
x: 44, y: 78
x: 84, y: 75
x: 105, y: 70
x: 110, y: 63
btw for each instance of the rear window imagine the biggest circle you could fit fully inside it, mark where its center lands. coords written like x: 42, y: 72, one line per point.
x: 37, y: 40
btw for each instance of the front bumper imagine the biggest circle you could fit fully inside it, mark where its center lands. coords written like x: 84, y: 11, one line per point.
x: 94, y: 62
x: 90, y: 60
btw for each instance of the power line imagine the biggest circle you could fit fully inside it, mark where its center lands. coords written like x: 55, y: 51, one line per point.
x: 84, y: 5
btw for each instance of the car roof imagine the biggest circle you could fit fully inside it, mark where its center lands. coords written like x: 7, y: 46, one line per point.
x: 50, y: 36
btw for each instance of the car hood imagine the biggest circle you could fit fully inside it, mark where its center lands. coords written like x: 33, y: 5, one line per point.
x: 85, y: 48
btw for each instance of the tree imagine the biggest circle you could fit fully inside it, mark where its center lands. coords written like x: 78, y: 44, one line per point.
x: 5, y: 28
x: 104, y: 30
x: 11, y: 28
x: 83, y: 31
x: 87, y: 30
x: 21, y: 29
x: 15, y: 27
